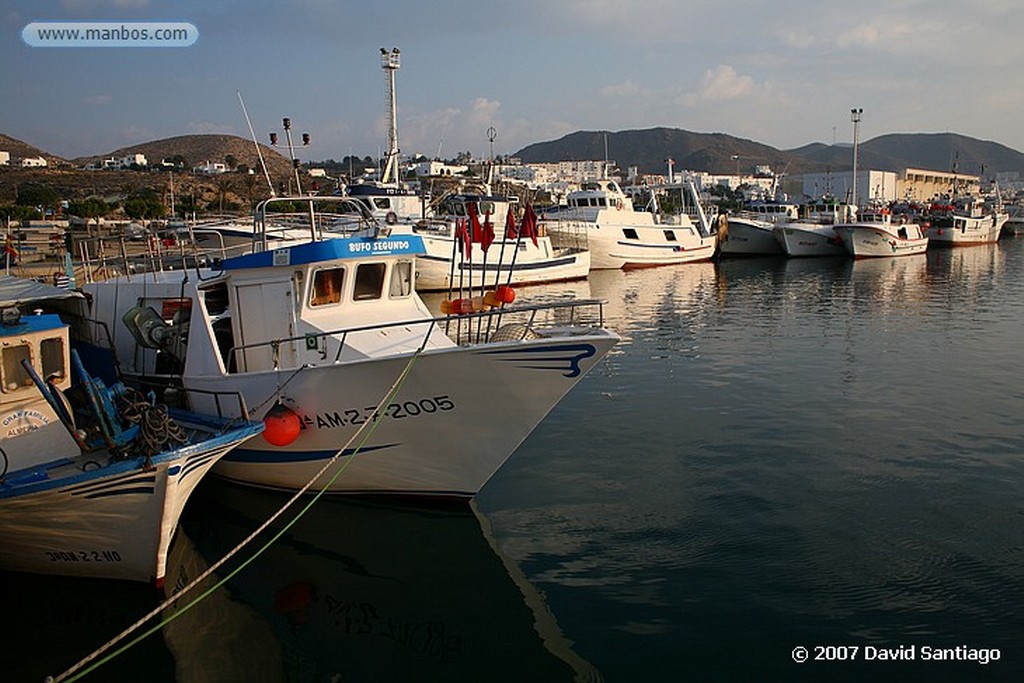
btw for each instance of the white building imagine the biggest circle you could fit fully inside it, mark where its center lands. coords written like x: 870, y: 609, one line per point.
x: 133, y: 159
x: 33, y: 162
x: 5, y: 158
x: 210, y: 168
x: 872, y: 186
x: 436, y: 168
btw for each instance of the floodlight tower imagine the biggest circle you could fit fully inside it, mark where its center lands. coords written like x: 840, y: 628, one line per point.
x: 855, y: 118
x: 390, y: 62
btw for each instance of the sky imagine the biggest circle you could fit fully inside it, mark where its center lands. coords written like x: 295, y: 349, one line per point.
x: 777, y: 72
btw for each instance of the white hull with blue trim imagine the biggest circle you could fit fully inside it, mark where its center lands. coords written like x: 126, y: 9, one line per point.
x: 93, y: 479
x: 326, y: 329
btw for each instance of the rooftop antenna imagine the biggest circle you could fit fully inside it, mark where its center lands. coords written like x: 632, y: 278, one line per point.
x: 390, y: 62
x: 259, y: 154
x: 855, y: 118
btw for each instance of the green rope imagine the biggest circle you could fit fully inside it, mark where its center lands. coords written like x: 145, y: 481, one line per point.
x: 372, y: 423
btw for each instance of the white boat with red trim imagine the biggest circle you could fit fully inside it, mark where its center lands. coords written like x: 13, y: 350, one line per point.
x: 877, y: 234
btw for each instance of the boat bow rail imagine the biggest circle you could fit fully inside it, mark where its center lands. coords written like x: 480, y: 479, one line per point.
x: 518, y: 323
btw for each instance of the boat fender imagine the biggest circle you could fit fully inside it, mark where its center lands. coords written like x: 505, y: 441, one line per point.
x: 391, y: 218
x: 281, y: 425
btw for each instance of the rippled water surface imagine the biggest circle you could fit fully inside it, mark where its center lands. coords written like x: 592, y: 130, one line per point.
x: 778, y: 454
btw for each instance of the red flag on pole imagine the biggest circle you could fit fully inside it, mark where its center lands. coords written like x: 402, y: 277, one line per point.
x: 476, y: 233
x: 488, y: 233
x: 462, y: 237
x: 528, y: 226
x: 511, y: 232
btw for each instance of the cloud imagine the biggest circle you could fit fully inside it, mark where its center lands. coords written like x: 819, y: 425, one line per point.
x: 99, y: 99
x: 720, y: 84
x: 625, y: 89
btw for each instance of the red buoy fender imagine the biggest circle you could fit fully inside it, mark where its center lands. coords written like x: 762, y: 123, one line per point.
x: 281, y: 425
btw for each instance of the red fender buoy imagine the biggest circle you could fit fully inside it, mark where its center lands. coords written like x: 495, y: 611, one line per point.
x: 281, y: 425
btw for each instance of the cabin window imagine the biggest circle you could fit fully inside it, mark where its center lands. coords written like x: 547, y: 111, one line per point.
x: 382, y: 203
x: 216, y: 299
x: 670, y: 236
x: 601, y: 201
x: 369, y: 281
x: 15, y: 376
x: 51, y: 352
x: 327, y: 287
x: 629, y: 233
x: 401, y: 280
x: 486, y: 207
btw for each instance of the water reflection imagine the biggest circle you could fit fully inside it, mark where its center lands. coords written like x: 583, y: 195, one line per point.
x: 368, y: 590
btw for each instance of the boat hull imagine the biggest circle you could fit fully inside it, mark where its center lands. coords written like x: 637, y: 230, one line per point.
x: 746, y: 237
x: 458, y: 416
x: 611, y: 249
x: 113, y: 522
x: 967, y: 231
x: 819, y: 240
x: 863, y: 241
x: 435, y: 270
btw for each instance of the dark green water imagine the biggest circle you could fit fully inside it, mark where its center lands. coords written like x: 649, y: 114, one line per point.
x: 780, y: 454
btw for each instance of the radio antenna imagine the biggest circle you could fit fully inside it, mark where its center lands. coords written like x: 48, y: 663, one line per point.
x: 259, y: 154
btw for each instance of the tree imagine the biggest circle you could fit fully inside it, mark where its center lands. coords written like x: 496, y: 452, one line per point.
x: 38, y: 196
x: 89, y: 208
x: 223, y: 187
x: 231, y: 161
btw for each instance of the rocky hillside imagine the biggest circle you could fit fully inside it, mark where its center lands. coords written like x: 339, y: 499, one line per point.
x: 649, y: 149
x: 197, y: 149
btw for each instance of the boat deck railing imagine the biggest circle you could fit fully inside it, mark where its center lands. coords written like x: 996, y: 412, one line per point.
x: 512, y: 323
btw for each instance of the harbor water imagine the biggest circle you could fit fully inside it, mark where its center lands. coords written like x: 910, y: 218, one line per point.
x: 787, y: 470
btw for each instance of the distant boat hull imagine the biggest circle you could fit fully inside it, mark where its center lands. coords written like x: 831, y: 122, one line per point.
x: 748, y: 237
x: 964, y: 231
x: 809, y: 240
x: 880, y: 241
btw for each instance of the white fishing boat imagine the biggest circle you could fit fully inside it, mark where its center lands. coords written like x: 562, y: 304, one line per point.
x: 877, y: 234
x: 965, y: 221
x: 749, y: 232
x: 620, y: 236
x: 814, y: 233
x: 314, y: 336
x: 470, y: 240
x: 94, y: 479
x: 1014, y: 224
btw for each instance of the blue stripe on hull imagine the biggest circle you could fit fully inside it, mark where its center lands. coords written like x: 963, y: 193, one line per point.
x: 280, y: 456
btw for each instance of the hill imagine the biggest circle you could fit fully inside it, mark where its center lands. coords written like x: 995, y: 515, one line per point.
x: 649, y: 149
x: 197, y: 149
x: 20, y: 150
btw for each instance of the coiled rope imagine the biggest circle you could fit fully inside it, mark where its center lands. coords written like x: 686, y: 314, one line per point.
x: 77, y: 671
x: 156, y: 427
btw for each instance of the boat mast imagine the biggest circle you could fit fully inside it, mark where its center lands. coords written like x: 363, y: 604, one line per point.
x: 855, y: 118
x: 390, y: 62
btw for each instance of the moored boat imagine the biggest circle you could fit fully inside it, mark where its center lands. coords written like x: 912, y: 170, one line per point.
x: 814, y: 233
x: 318, y: 333
x: 94, y: 478
x: 964, y: 221
x: 876, y: 234
x: 619, y: 236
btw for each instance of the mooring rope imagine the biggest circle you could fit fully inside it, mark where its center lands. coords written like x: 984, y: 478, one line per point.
x: 76, y: 672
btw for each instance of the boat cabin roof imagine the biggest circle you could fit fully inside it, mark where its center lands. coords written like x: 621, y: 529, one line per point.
x: 340, y: 248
